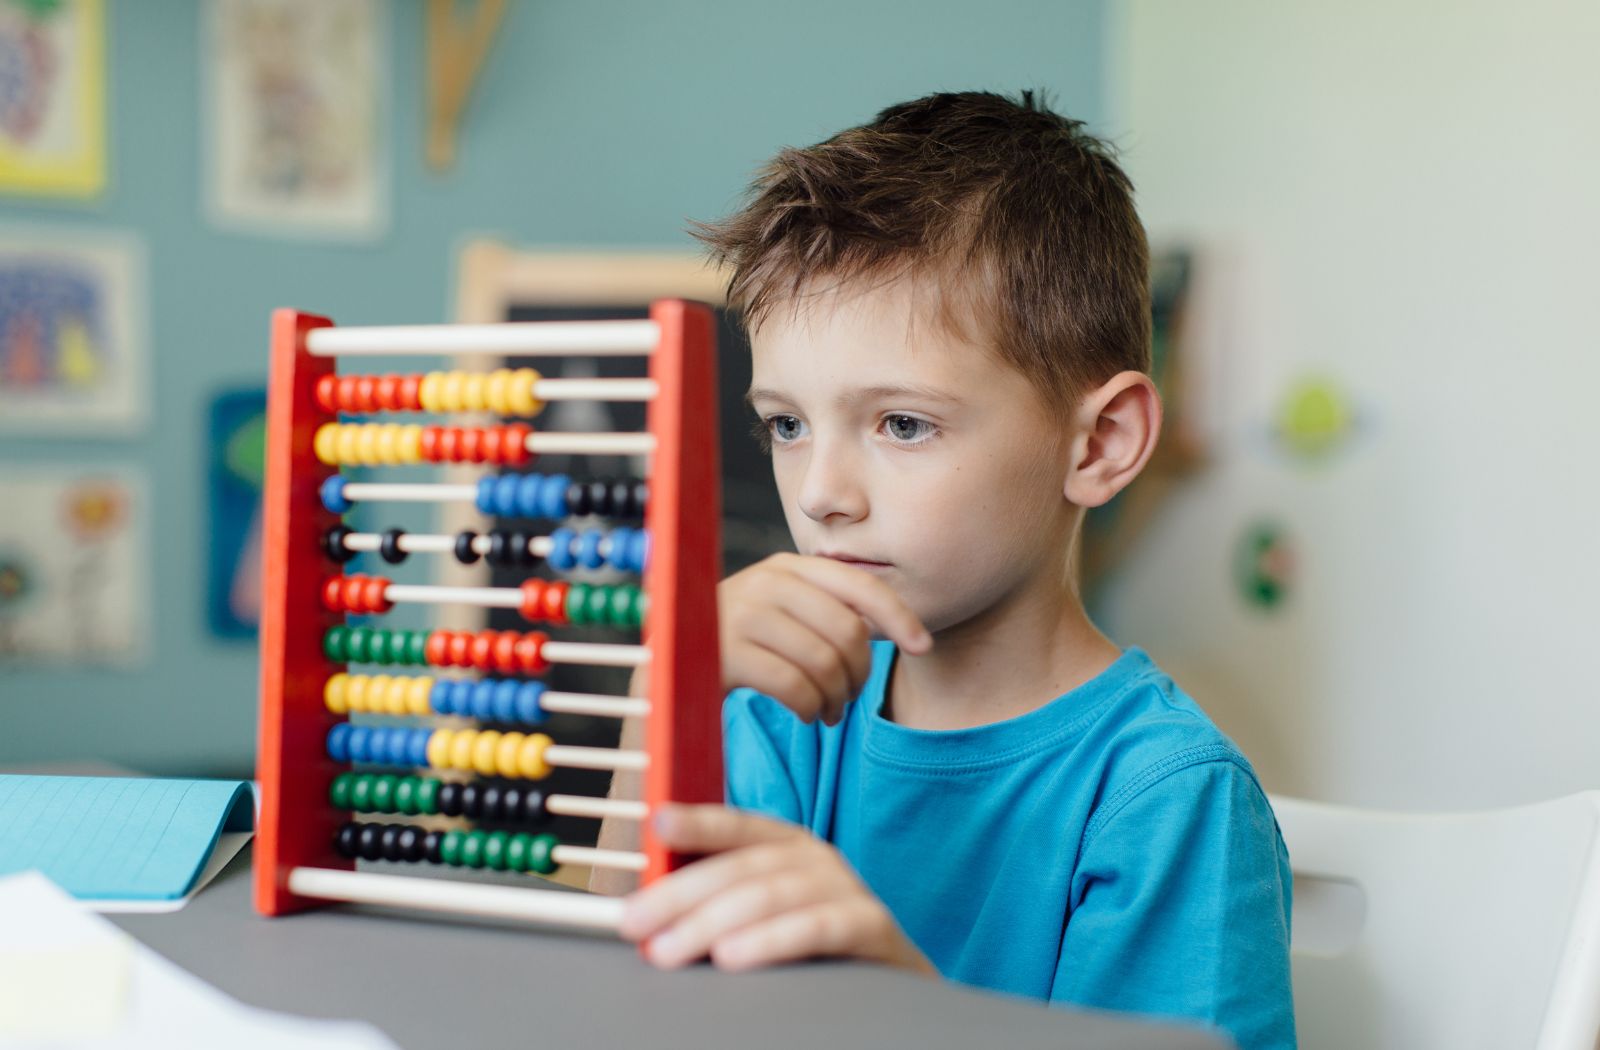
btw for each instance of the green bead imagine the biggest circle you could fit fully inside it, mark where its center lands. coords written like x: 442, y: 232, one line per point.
x: 517, y: 851
x: 361, y: 793
x: 380, y: 650
x: 417, y: 648
x: 427, y: 795
x: 405, y: 796
x: 577, y: 604
x: 339, y: 792
x: 335, y: 642
x: 383, y: 793
x: 472, y: 849
x: 641, y: 609
x: 541, y: 854
x: 618, y: 609
x: 494, y: 850
x: 597, y: 603
x: 357, y: 643
x: 450, y: 847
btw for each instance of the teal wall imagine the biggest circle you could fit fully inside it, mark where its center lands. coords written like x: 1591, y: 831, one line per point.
x: 594, y: 124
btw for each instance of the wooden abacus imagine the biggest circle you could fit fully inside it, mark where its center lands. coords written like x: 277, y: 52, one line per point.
x: 306, y: 847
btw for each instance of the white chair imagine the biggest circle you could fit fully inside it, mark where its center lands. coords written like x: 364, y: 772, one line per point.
x: 1457, y: 931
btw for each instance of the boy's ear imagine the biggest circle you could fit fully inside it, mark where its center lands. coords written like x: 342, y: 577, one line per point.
x: 1114, y: 432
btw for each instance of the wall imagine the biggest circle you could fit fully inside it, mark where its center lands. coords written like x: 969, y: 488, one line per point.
x: 595, y: 124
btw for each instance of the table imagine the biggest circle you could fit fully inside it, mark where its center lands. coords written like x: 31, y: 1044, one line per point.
x: 435, y: 983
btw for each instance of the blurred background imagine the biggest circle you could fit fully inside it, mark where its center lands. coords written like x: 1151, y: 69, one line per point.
x: 1365, y: 546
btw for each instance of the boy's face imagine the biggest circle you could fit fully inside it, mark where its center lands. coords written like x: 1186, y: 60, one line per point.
x: 914, y: 454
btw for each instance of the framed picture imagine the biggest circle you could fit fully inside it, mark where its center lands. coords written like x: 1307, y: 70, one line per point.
x: 52, y: 98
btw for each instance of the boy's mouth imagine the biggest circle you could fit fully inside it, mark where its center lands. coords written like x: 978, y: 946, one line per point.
x: 851, y: 559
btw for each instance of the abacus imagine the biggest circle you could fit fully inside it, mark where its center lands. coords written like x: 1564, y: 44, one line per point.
x: 469, y: 748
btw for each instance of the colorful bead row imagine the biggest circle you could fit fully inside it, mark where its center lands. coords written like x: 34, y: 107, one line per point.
x: 627, y: 549
x: 499, y: 850
x: 622, y: 606
x: 507, y: 652
x: 508, y: 392
x: 376, y: 443
x: 490, y: 802
x: 553, y: 496
x: 356, y: 593
x: 487, y: 752
x: 486, y: 699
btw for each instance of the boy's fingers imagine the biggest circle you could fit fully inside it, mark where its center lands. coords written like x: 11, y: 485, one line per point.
x: 749, y: 901
x: 665, y: 901
x: 773, y: 675
x: 868, y: 596
x: 837, y: 623
x: 814, y: 656
x: 713, y: 829
x: 833, y: 927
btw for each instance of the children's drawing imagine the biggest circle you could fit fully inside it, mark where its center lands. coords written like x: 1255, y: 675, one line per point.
x: 236, y: 445
x: 1264, y: 565
x: 52, y: 97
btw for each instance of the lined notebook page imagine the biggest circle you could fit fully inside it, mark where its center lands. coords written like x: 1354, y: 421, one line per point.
x: 118, y: 837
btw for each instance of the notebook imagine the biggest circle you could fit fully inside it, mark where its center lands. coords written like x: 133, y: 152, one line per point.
x: 123, y: 843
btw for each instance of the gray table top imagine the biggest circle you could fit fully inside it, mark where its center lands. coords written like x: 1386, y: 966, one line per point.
x: 431, y: 982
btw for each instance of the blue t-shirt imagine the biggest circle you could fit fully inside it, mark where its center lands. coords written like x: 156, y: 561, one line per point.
x: 1111, y: 849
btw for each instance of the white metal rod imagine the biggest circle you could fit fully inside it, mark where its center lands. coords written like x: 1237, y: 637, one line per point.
x: 464, y: 898
x: 610, y: 338
x: 595, y: 757
x: 598, y: 858
x: 557, y: 443
x: 595, y: 389
x: 490, y: 597
x: 357, y: 491
x: 588, y: 806
x: 594, y: 704
x: 596, y: 654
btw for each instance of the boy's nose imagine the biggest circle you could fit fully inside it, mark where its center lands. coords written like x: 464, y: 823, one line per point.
x: 830, y: 490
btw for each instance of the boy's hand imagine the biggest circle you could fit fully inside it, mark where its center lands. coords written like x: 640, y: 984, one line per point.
x: 773, y: 893
x: 797, y: 628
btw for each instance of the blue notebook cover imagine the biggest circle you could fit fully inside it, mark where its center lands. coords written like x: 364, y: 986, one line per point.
x: 118, y: 838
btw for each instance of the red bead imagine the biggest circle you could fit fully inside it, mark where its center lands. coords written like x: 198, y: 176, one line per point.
x: 384, y: 390
x: 327, y: 393
x: 437, y: 651
x: 410, y: 393
x: 505, y: 652
x: 489, y: 444
x: 530, y: 653
x: 428, y: 447
x: 460, y: 649
x: 450, y: 444
x: 346, y: 393
x: 350, y: 593
x: 472, y: 444
x: 555, y: 603
x: 532, y: 607
x: 374, y: 597
x: 483, y: 651
x: 333, y: 594
x: 367, y: 394
x: 514, y: 444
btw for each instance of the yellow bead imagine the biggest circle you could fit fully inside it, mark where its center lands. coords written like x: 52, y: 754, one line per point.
x: 367, y: 441
x: 439, y: 745
x: 383, y: 444
x: 530, y: 757
x: 522, y: 401
x: 461, y: 749
x: 349, y: 451
x: 333, y: 693
x: 450, y: 391
x: 395, y: 698
x: 428, y: 392
x: 473, y: 397
x: 419, y: 696
x: 483, y: 752
x: 495, y: 391
x: 409, y: 446
x: 505, y: 758
x: 326, y: 443
x: 356, y: 692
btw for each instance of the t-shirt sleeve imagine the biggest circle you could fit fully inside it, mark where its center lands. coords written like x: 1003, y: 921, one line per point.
x: 1181, y: 903
x: 756, y: 747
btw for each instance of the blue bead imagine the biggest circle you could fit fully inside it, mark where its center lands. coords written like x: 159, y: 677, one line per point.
x: 483, y: 700
x: 383, y: 745
x: 560, y: 557
x: 553, y: 496
x: 529, y: 707
x: 333, y: 495
x: 417, y: 753
x: 505, y: 700
x: 527, y: 500
x: 505, y: 496
x: 339, y: 742
x: 589, y: 549
x: 360, y: 744
x: 485, y: 498
x: 439, y: 696
x: 639, y: 550
x: 617, y: 551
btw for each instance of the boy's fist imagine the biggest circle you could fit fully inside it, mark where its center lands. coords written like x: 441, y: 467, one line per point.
x: 797, y: 628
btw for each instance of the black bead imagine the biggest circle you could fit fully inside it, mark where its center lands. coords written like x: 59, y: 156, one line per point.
x: 599, y: 497
x: 345, y: 841
x: 333, y: 543
x: 430, y: 847
x: 518, y: 552
x: 511, y: 804
x: 533, y: 809
x: 577, y: 499
x: 389, y: 550
x: 489, y: 802
x: 471, y: 799
x: 640, y: 500
x: 367, y: 841
x: 622, y: 499
x: 464, y: 552
x: 389, y: 841
x: 408, y: 843
x: 450, y: 799
x: 497, y: 547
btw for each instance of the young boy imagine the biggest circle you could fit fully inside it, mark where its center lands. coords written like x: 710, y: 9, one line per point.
x: 950, y: 320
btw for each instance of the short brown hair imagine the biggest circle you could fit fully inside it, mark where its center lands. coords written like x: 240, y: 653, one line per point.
x: 1024, y: 218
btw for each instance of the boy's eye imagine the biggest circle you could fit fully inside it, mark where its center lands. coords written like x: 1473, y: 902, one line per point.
x: 908, y: 430
x: 780, y: 430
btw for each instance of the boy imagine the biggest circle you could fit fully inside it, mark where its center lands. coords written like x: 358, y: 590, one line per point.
x: 949, y: 317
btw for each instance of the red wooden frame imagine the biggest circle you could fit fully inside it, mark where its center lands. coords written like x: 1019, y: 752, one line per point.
x: 297, y: 823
